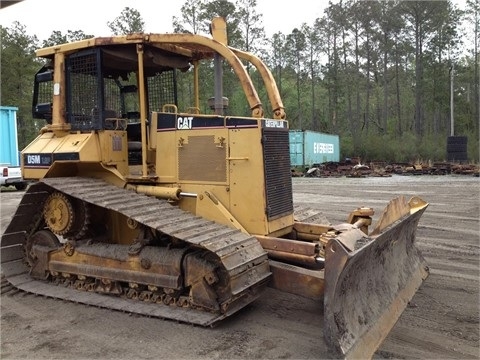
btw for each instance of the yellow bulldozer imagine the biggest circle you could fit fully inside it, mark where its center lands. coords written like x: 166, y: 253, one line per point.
x: 139, y: 205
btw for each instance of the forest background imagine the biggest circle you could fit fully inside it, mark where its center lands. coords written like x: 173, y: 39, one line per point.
x: 386, y: 76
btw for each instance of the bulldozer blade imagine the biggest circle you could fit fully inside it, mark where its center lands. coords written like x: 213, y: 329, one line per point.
x: 366, y: 290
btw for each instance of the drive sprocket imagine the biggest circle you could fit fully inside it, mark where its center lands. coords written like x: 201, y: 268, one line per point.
x: 65, y: 216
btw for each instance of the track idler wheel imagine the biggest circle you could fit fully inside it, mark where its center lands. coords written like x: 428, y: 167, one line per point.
x: 37, y: 248
x: 201, y: 276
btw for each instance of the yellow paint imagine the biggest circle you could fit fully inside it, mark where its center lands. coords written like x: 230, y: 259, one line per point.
x: 225, y: 163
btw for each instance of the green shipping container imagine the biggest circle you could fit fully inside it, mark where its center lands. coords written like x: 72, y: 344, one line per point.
x: 310, y: 147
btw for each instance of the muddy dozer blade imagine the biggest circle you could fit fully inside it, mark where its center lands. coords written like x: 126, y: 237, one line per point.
x: 367, y: 289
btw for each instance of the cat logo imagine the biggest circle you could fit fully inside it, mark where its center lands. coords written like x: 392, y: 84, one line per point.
x: 184, y: 123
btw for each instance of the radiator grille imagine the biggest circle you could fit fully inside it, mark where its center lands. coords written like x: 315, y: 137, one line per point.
x: 202, y: 160
x: 278, y: 179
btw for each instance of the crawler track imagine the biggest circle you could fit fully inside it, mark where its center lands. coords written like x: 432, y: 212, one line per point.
x: 242, y: 256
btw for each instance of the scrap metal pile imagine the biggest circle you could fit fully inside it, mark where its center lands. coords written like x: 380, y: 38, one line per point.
x: 354, y: 168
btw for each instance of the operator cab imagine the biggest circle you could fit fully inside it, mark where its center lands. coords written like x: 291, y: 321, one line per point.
x: 102, y: 86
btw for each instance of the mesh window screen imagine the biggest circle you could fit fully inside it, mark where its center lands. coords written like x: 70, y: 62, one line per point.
x: 96, y: 90
x: 111, y: 94
x: 45, y: 91
x: 42, y: 94
x: 161, y: 90
x: 84, y: 102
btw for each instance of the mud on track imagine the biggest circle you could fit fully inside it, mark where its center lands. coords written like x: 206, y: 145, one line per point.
x: 442, y: 321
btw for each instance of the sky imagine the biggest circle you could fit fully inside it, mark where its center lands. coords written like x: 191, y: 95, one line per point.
x: 41, y: 17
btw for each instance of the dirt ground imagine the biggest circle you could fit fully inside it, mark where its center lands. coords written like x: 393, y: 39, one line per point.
x: 442, y: 321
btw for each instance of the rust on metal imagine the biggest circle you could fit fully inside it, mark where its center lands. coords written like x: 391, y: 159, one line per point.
x: 310, y: 231
x: 100, y: 268
x: 368, y: 289
x: 297, y: 280
x: 287, y: 245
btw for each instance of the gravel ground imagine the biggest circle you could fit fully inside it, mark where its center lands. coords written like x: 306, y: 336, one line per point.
x: 442, y: 321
